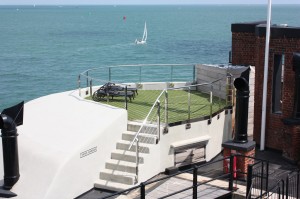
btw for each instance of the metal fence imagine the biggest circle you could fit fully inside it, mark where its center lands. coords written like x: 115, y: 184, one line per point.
x: 200, y: 178
x: 257, y: 179
x: 293, y: 185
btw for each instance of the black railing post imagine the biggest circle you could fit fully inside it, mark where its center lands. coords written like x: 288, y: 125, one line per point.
x: 287, y: 186
x: 262, y: 178
x: 267, y: 177
x: 143, y: 195
x: 297, y: 185
x: 249, y: 181
x: 231, y: 173
x: 282, y: 192
x: 195, y: 182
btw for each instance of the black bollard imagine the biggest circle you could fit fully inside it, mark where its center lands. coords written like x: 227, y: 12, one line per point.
x: 10, y: 151
x: 241, y: 111
x: 10, y: 118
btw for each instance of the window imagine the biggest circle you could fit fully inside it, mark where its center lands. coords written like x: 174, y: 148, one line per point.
x: 277, y: 83
x: 296, y: 66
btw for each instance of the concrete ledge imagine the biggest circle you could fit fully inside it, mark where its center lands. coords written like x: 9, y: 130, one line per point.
x: 190, y: 142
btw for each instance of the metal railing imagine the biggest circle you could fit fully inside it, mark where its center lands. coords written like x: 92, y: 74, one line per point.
x: 172, y: 105
x: 141, y: 189
x: 257, y: 179
x: 154, y: 115
x: 137, y: 73
x: 293, y: 185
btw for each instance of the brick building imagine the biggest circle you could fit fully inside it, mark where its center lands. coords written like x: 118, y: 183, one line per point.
x: 283, y: 93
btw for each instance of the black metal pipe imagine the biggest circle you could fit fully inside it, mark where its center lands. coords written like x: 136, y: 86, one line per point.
x: 195, y: 182
x: 10, y: 151
x: 241, y: 111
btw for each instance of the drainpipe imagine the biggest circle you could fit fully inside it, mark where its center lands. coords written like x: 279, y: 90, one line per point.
x: 265, y: 83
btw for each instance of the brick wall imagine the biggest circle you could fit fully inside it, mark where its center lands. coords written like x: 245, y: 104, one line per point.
x: 245, y: 41
x: 280, y: 136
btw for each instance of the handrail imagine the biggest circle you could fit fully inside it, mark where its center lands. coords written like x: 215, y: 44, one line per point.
x: 135, y: 139
x: 157, y: 99
x: 144, y: 122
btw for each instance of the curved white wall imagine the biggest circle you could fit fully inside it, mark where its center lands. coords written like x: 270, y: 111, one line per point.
x: 63, y: 144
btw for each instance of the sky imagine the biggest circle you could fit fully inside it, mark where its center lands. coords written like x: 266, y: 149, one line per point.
x: 140, y: 2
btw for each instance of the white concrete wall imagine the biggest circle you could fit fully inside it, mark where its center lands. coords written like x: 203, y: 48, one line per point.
x: 58, y: 130
x: 162, y: 155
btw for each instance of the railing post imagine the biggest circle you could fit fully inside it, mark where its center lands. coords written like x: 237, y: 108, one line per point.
x: 227, y: 90
x: 249, y: 181
x: 79, y: 86
x: 282, y: 192
x: 91, y: 87
x: 194, y: 73
x: 143, y: 195
x: 298, y: 175
x: 87, y: 78
x: 189, y: 104
x: 109, y: 74
x: 262, y: 178
x: 158, y: 122
x: 211, y: 103
x: 287, y: 187
x: 137, y: 160
x: 126, y: 100
x: 140, y: 75
x: 231, y: 173
x: 172, y: 73
x: 220, y: 94
x: 267, y: 177
x: 195, y: 182
x: 166, y: 112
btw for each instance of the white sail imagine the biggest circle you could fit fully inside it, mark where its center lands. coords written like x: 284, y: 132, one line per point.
x: 144, y: 38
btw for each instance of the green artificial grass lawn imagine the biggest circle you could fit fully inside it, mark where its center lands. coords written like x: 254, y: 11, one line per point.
x: 139, y: 107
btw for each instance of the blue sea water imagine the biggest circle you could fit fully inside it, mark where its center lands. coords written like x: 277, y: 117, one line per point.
x: 44, y: 48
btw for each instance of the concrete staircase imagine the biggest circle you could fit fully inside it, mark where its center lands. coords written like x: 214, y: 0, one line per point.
x: 120, y: 171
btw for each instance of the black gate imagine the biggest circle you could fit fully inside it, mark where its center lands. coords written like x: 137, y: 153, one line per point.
x: 293, y: 185
x: 257, y: 179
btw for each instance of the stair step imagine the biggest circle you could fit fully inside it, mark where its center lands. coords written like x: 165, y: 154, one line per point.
x: 125, y: 155
x: 119, y: 165
x: 118, y: 176
x: 135, y: 127
x: 112, y: 186
x: 143, y: 138
x: 124, y: 145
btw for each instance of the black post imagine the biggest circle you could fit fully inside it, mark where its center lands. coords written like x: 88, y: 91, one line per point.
x: 297, y: 185
x: 241, y: 111
x: 126, y: 101
x: 10, y: 151
x: 143, y: 195
x: 195, y: 182
x: 267, y: 177
x: 249, y: 181
x: 262, y: 178
x: 231, y: 173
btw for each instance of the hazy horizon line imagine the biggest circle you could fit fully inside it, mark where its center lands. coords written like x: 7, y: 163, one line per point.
x: 93, y: 4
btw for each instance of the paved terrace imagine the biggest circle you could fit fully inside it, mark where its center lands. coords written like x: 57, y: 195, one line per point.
x: 278, y: 169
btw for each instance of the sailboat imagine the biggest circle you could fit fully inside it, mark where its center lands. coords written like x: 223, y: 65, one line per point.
x: 144, y: 38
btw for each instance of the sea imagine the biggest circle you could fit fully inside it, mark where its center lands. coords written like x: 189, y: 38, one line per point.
x: 43, y: 49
